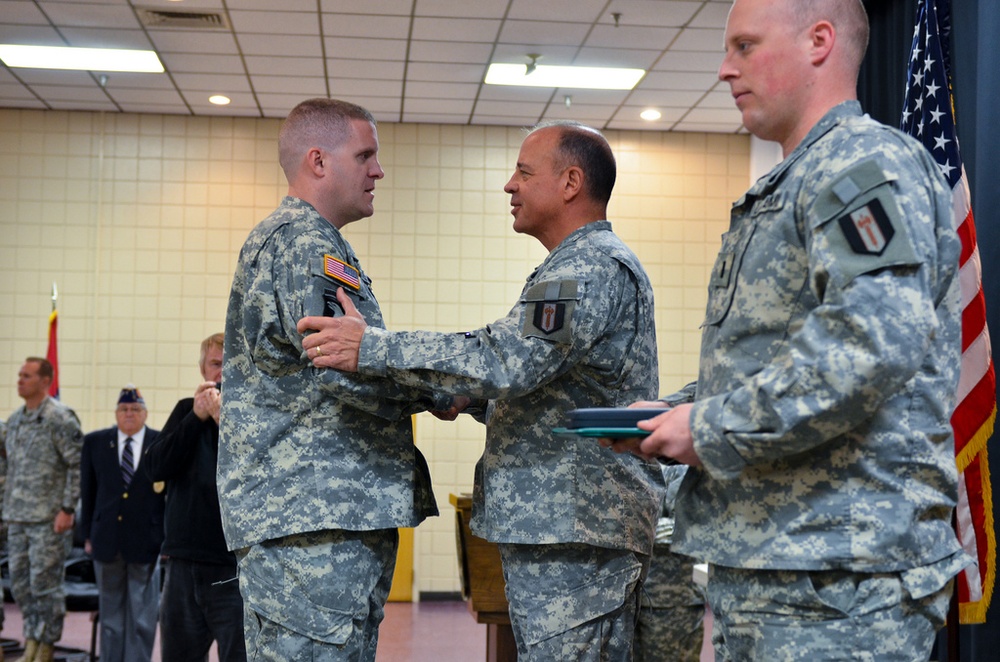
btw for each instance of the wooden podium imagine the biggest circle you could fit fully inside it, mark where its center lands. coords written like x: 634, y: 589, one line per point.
x: 483, y: 583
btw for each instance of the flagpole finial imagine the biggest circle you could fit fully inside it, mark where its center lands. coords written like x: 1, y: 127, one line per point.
x: 55, y: 295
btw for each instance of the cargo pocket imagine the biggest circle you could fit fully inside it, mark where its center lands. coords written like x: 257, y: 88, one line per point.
x: 582, y: 604
x: 287, y: 604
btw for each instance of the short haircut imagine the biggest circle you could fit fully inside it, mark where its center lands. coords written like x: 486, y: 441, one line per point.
x: 45, y: 368
x: 214, y: 340
x: 586, y: 147
x: 320, y: 122
x: 848, y: 17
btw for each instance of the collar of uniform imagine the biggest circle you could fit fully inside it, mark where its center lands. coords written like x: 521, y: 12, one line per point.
x: 572, y: 237
x: 324, y: 226
x: 36, y: 413
x: 833, y: 117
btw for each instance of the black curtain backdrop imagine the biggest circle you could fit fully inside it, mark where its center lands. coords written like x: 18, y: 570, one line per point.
x: 882, y: 80
x: 976, y: 81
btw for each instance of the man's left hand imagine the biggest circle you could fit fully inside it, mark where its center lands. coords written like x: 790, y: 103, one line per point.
x: 63, y: 523
x: 337, y: 340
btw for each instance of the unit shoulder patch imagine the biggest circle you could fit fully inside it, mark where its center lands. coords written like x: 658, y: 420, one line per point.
x: 867, y: 229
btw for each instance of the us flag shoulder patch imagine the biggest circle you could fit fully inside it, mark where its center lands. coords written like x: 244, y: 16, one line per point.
x: 341, y: 272
x: 867, y: 229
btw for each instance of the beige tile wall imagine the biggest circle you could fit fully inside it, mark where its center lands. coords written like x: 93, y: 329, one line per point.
x: 139, y: 218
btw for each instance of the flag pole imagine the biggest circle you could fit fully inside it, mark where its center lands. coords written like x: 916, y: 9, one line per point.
x: 53, y: 351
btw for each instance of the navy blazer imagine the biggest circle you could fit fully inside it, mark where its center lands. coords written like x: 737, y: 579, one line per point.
x: 117, y: 520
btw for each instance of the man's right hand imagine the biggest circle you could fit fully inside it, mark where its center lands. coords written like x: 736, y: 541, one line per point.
x: 336, y: 341
x: 207, y: 401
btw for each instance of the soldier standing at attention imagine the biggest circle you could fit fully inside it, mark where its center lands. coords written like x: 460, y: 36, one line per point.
x: 574, y: 523
x: 43, y: 445
x: 317, y: 469
x: 819, y: 427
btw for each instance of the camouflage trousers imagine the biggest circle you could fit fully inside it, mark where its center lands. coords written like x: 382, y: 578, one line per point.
x: 316, y: 596
x: 671, y: 611
x: 821, y: 616
x: 573, y: 602
x: 37, y: 571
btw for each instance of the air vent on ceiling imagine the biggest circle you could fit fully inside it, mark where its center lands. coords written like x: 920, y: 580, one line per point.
x: 165, y: 18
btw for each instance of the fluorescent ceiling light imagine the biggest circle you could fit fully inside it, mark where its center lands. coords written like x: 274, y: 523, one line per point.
x: 593, y: 78
x: 86, y: 59
x: 650, y: 115
x: 219, y: 99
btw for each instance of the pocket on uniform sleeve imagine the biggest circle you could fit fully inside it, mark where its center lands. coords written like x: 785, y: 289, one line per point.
x: 860, y: 226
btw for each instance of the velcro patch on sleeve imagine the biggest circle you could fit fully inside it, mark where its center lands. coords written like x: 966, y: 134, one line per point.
x: 549, y: 310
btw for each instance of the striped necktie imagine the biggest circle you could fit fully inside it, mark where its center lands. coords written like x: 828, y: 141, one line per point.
x: 127, y: 468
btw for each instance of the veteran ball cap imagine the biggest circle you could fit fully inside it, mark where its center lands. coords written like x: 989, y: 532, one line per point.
x: 130, y: 394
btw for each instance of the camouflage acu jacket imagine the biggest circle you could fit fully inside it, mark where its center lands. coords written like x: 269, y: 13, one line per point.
x: 829, y: 364
x: 581, y: 335
x: 43, y: 462
x: 303, y: 449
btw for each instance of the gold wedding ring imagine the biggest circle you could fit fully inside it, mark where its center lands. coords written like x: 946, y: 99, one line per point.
x: 319, y: 350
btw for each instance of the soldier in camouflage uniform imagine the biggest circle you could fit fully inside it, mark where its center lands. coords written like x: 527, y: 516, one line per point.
x: 316, y: 469
x: 819, y: 424
x: 574, y: 523
x: 43, y: 447
x: 672, y: 609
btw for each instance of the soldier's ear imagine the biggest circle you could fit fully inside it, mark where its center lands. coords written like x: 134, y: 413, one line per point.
x: 572, y: 182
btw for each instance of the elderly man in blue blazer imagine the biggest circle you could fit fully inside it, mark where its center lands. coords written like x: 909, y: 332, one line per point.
x: 122, y: 521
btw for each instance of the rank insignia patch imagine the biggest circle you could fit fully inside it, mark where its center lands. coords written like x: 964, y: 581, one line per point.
x: 867, y: 229
x: 549, y: 316
x: 342, y: 272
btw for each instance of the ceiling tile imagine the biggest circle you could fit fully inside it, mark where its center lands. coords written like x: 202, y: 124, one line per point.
x: 607, y: 36
x: 424, y: 90
x: 20, y: 12
x: 362, y: 49
x: 212, y: 83
x: 305, y: 86
x: 284, y: 66
x: 445, y: 51
x: 366, y: 26
x: 580, y: 11
x: 193, y: 42
x: 76, y: 14
x: 377, y: 7
x: 359, y: 68
x: 543, y: 33
x: 700, y: 40
x: 651, y: 13
x: 104, y: 38
x: 198, y: 63
x: 275, y: 22
x: 460, y: 8
x: 468, y: 29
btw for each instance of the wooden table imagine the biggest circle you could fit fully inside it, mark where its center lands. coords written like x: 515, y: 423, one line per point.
x: 483, y: 583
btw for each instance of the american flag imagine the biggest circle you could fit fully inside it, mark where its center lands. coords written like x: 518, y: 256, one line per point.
x: 341, y: 271
x: 928, y: 115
